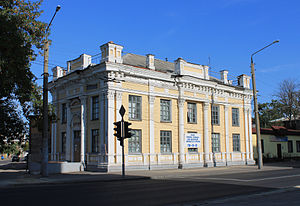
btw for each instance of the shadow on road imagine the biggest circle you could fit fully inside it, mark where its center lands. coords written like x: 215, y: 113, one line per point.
x: 14, y: 166
x: 134, y: 192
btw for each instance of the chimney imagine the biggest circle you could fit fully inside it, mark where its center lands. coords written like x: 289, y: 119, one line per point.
x: 244, y: 81
x: 179, y: 66
x: 111, y: 52
x: 57, y: 72
x: 224, y: 78
x: 206, y: 75
x: 150, y: 61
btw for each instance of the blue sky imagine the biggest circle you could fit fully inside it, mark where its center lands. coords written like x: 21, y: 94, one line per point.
x: 226, y: 31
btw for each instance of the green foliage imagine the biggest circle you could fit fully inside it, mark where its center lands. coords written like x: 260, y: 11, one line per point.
x: 20, y: 34
x: 34, y: 109
x: 268, y: 112
x: 10, y: 148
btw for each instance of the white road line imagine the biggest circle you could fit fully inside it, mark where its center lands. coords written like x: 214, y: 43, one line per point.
x: 243, y: 180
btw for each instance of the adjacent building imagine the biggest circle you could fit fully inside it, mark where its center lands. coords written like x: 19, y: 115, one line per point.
x: 181, y: 116
x: 278, y: 142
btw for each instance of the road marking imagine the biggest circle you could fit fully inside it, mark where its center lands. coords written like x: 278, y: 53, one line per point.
x: 242, y: 180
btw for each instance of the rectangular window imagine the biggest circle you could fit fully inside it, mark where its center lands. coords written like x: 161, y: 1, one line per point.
x: 215, y: 115
x: 64, y: 113
x: 262, y: 146
x: 165, y: 141
x: 235, y: 117
x: 135, y: 142
x: 215, y: 142
x: 236, y: 142
x: 290, y: 146
x: 95, y: 107
x: 192, y: 150
x: 192, y: 113
x: 95, y: 140
x: 165, y: 110
x: 63, y: 142
x: 135, y: 107
x: 298, y: 146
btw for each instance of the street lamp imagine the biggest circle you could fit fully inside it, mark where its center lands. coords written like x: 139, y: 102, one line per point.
x: 258, y: 142
x: 44, y: 165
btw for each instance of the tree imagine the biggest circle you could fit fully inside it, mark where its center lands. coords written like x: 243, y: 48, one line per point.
x: 289, y: 97
x: 20, y: 35
x: 269, y: 111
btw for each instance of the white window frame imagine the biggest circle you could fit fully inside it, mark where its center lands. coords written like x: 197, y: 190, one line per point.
x: 236, y: 142
x: 165, y: 142
x: 135, y: 142
x: 191, y: 112
x: 235, y: 117
x: 165, y: 113
x: 135, y: 107
x: 95, y: 109
x: 215, y: 114
x: 215, y: 142
x: 95, y: 144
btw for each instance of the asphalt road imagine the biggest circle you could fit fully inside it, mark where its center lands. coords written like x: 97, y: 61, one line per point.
x: 219, y: 186
x: 134, y: 192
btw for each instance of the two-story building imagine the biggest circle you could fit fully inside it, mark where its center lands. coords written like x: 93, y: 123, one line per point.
x: 181, y: 116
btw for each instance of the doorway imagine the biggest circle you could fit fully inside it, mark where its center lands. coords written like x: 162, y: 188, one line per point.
x: 77, y: 145
x: 279, y: 153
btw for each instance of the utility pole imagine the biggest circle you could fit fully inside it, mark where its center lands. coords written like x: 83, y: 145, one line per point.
x: 258, y: 137
x: 44, y: 164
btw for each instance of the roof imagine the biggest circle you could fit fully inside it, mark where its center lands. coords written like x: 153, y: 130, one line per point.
x: 277, y: 130
x: 140, y: 61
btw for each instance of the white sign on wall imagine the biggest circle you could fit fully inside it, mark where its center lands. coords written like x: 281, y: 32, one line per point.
x: 192, y: 140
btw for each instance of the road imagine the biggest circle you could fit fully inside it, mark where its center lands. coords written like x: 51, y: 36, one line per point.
x: 227, y: 186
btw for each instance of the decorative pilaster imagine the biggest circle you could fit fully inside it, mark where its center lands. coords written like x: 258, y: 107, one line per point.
x: 68, y: 133
x: 118, y: 105
x: 250, y: 134
x: 246, y: 133
x: 227, y: 135
x: 83, y: 120
x: 53, y: 135
x: 151, y: 129
x: 181, y: 131
x: 207, y: 160
x: 102, y: 125
x: 109, y: 121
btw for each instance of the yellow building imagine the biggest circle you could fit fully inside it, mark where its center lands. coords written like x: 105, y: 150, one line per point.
x: 278, y: 142
x: 181, y: 116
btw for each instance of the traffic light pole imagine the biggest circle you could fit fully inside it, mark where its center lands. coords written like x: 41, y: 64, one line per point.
x: 123, y: 156
x: 122, y: 131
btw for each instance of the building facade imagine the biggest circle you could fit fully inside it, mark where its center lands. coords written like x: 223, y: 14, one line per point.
x: 181, y: 116
x: 278, y: 142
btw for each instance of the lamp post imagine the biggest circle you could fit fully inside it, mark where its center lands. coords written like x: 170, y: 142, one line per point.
x: 258, y: 142
x: 44, y: 165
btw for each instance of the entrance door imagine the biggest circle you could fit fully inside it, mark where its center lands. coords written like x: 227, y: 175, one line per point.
x: 279, y: 154
x: 77, y: 145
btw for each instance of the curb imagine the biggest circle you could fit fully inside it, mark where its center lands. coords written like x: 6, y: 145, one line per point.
x: 43, y: 182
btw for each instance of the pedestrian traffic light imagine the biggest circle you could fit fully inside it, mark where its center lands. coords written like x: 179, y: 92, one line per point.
x: 127, y: 130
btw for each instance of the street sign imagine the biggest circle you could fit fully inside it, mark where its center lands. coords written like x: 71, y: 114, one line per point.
x: 192, y: 140
x: 122, y: 111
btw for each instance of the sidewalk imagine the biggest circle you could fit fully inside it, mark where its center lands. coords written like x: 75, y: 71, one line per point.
x: 14, y: 178
x: 19, y: 177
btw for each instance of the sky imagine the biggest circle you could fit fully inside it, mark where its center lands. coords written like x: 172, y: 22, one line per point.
x: 221, y: 33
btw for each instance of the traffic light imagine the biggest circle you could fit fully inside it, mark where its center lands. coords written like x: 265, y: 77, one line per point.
x: 127, y: 130
x: 118, y: 130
